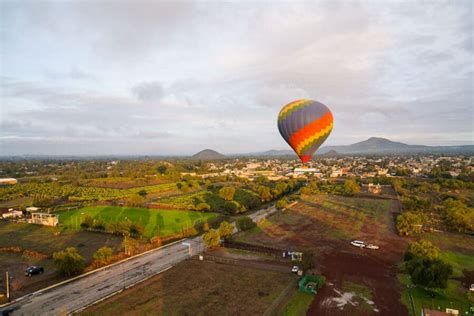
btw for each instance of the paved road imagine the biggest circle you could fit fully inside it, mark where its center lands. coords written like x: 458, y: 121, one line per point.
x: 84, y: 291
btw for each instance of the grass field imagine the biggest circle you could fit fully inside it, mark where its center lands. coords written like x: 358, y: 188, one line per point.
x: 155, y: 222
x: 199, y: 288
x: 458, y: 251
x: 299, y: 304
x: 451, y: 297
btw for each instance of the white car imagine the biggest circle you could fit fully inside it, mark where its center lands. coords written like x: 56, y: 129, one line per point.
x: 471, y: 288
x: 294, y: 269
x: 358, y: 243
x: 371, y: 246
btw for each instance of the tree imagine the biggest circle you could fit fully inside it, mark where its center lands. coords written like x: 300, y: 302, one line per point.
x: 265, y: 193
x: 429, y: 273
x: 161, y: 169
x: 245, y: 223
x: 227, y: 193
x: 212, y: 238
x: 69, y: 262
x: 88, y: 222
x: 281, y: 204
x: 103, y: 255
x: 458, y: 216
x: 422, y: 249
x: 142, y: 193
x: 351, y: 187
x: 226, y: 229
x: 135, y: 201
x: 410, y: 223
x: 231, y: 207
x: 203, y: 207
x: 130, y: 245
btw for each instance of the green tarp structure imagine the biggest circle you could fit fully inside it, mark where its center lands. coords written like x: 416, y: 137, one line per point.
x: 311, y: 283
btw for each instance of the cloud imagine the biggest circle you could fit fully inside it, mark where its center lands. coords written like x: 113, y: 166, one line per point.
x: 175, y: 77
x: 148, y: 91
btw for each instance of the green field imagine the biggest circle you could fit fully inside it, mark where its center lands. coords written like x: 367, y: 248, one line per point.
x: 155, y: 222
x: 299, y: 304
x: 451, y: 297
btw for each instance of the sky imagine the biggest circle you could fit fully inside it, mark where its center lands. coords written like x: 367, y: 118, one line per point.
x: 173, y: 78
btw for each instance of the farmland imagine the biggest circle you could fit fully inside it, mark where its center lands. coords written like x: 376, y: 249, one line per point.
x: 199, y: 288
x: 324, y: 225
x: 77, y: 193
x: 155, y: 222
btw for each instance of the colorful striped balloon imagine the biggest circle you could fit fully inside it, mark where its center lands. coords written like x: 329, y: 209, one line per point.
x: 305, y: 125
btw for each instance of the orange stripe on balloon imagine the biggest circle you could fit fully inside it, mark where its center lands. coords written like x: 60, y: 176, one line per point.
x: 310, y: 129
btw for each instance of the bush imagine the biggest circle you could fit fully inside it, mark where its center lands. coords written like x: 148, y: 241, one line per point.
x: 227, y: 193
x: 231, y: 207
x: 103, y: 255
x: 245, y: 223
x: 216, y: 221
x: 88, y: 222
x: 281, y: 204
x: 69, y: 262
x: 429, y: 273
x: 422, y: 249
x: 212, y: 238
x: 457, y: 215
x: 225, y: 229
x: 410, y: 223
x: 203, y: 207
x: 351, y: 187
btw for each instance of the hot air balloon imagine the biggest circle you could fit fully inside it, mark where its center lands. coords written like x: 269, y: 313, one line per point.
x: 305, y: 125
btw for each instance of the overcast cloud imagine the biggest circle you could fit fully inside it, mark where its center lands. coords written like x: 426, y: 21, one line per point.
x: 156, y: 77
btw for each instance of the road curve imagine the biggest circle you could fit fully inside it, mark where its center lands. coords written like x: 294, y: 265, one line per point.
x: 84, y: 291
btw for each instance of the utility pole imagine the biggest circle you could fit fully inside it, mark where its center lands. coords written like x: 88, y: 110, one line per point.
x: 8, y: 286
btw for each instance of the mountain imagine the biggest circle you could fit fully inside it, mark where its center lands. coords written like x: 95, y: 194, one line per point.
x: 377, y: 145
x: 208, y: 154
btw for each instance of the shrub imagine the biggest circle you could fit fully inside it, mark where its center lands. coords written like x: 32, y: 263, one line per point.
x: 103, y: 255
x: 410, y: 223
x: 212, y: 238
x: 225, y: 229
x: 203, y: 207
x: 227, y: 193
x: 245, y: 223
x: 69, y: 262
x: 422, y: 249
x: 281, y: 204
x: 231, y: 207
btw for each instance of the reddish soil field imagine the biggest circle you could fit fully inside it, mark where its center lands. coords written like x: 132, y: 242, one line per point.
x: 327, y: 232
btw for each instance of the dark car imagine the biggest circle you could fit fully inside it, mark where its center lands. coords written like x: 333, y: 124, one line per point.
x: 33, y: 270
x: 7, y: 311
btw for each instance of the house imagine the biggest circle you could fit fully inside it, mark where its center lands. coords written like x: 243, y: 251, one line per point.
x: 432, y: 312
x: 5, y: 181
x: 46, y: 219
x: 374, y: 188
x: 11, y: 213
x: 32, y: 209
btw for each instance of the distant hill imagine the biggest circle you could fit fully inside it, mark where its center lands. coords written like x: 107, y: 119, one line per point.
x: 208, y: 154
x: 377, y: 145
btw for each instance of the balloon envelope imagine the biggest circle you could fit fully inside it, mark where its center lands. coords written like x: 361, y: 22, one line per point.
x: 305, y: 125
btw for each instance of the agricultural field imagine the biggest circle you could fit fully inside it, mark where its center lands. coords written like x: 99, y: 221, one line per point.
x: 199, y: 288
x: 56, y: 191
x: 156, y: 222
x: 325, y: 225
x: 189, y: 201
x: 37, y: 244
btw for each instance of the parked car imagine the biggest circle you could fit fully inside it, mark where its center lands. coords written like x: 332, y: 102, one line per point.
x: 358, y: 243
x: 471, y: 288
x: 7, y: 311
x: 294, y: 269
x: 33, y: 270
x: 371, y: 246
